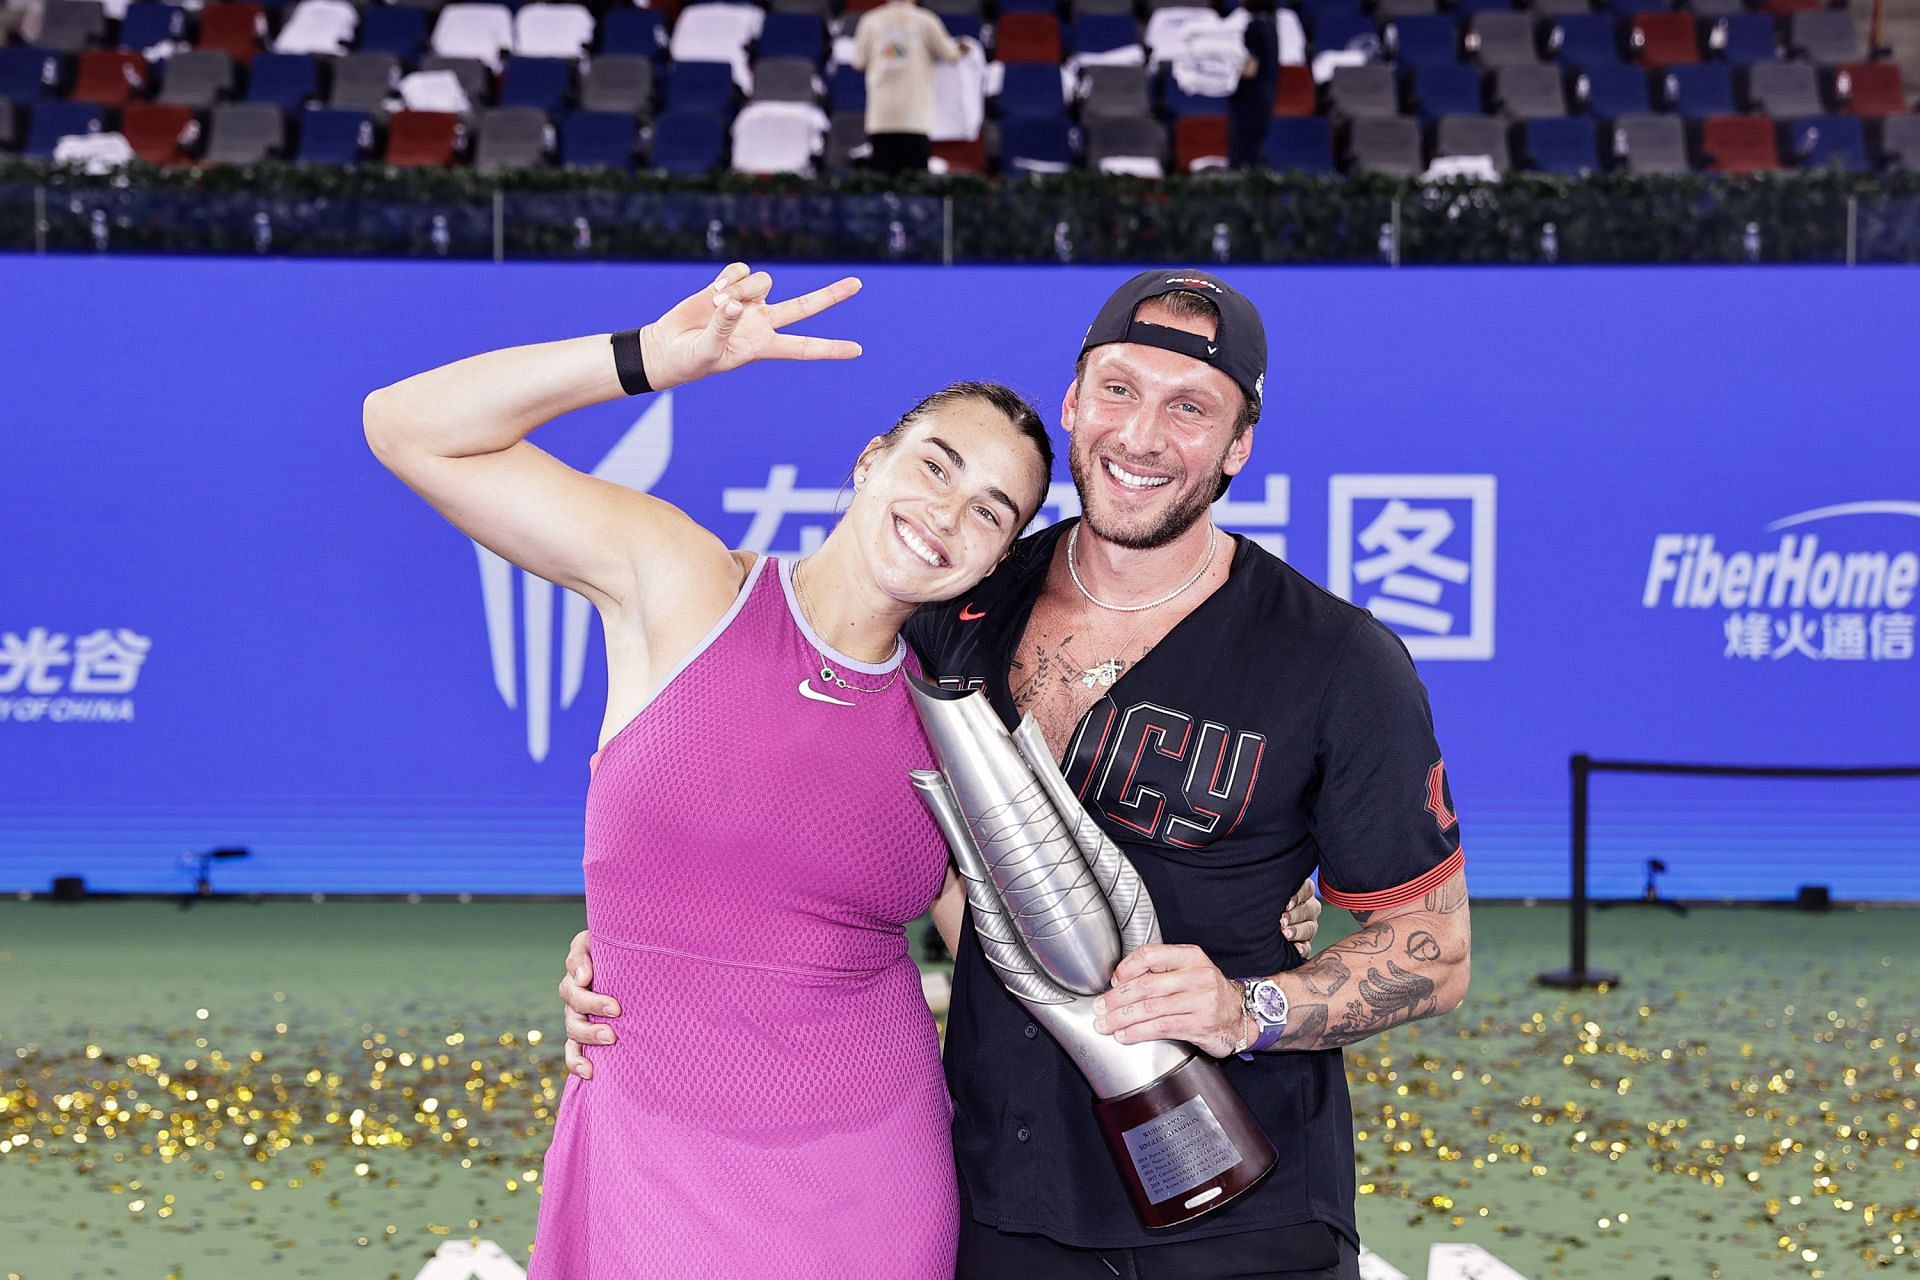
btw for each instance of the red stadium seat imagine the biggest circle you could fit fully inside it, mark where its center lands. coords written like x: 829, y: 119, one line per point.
x: 423, y: 139
x: 861, y: 6
x: 1786, y: 8
x: 234, y: 29
x: 1200, y: 142
x: 1293, y: 96
x: 1664, y: 40
x: 1027, y: 37
x: 159, y: 132
x: 109, y: 77
x: 963, y: 157
x: 1739, y: 144
x: 1870, y: 89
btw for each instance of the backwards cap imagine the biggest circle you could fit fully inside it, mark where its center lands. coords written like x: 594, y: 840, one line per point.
x: 1238, y: 350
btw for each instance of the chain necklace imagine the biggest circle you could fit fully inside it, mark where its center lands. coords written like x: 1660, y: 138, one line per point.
x: 827, y: 673
x: 1106, y: 674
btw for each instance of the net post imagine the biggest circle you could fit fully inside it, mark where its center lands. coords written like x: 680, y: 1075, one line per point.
x: 1577, y: 975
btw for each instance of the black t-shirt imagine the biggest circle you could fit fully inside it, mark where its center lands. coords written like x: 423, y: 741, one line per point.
x: 1276, y: 730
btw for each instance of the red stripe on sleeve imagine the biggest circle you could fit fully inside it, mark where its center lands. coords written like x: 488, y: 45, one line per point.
x: 1399, y: 895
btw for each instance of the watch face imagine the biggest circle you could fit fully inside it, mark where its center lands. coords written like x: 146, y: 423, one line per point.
x: 1269, y: 1002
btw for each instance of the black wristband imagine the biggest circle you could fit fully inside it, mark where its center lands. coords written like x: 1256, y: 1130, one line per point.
x: 628, y: 364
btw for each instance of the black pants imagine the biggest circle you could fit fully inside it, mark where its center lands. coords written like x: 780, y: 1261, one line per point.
x: 990, y: 1254
x: 900, y: 152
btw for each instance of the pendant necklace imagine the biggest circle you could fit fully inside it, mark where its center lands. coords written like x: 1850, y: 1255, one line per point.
x: 1105, y: 674
x: 827, y: 674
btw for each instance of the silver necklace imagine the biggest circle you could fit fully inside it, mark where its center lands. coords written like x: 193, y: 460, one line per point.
x: 827, y: 673
x: 1105, y: 675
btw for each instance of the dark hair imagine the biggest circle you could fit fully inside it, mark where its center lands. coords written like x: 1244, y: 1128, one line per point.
x: 1008, y: 401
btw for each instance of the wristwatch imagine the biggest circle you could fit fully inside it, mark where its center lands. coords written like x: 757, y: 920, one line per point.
x: 1266, y: 1004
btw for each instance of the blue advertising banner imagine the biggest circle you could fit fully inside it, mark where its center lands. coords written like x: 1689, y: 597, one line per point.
x: 1647, y: 514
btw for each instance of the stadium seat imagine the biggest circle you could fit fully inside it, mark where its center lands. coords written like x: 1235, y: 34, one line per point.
x: 1529, y: 93
x: 1566, y: 146
x: 391, y: 30
x: 633, y: 33
x: 323, y: 28
x: 52, y: 121
x: 1718, y: 8
x: 1445, y: 91
x: 1294, y: 94
x: 1784, y: 90
x: 1900, y: 141
x: 1036, y: 144
x: 1825, y: 36
x: 785, y: 80
x: 1114, y: 91
x: 846, y: 142
x: 793, y: 35
x: 476, y: 81
x: 196, y: 78
x: 237, y: 30
x: 1473, y: 8
x: 1582, y: 41
x: 1134, y: 145
x: 1560, y: 8
x: 1105, y: 33
x: 1650, y: 144
x: 688, y: 142
x: 10, y: 126
x: 1311, y: 11
x: 1300, y: 144
x: 542, y: 84
x: 1613, y: 91
x: 1027, y: 37
x: 847, y: 90
x: 1474, y: 136
x: 1739, y: 144
x: 364, y: 82
x: 68, y: 26
x: 424, y: 139
x: 148, y: 24
x: 1362, y: 92
x: 1390, y: 10
x: 109, y: 77
x: 703, y: 88
x: 966, y: 155
x: 285, y: 80
x: 1424, y: 40
x: 964, y: 8
x: 1089, y: 8
x: 245, y: 133
x: 1664, y: 40
x: 1027, y: 6
x: 467, y: 29
x: 1344, y: 29
x: 1176, y: 102
x: 618, y: 85
x: 1502, y: 39
x: 1199, y: 142
x: 1829, y: 142
x: 159, y: 133
x: 1870, y: 89
x: 960, y: 25
x: 1697, y: 92
x: 1634, y: 8
x: 27, y: 75
x: 334, y: 138
x: 544, y: 30
x: 1031, y: 90
x: 599, y: 140
x: 717, y: 33
x: 1742, y: 39
x: 1384, y: 145
x: 512, y: 138
x: 1787, y: 8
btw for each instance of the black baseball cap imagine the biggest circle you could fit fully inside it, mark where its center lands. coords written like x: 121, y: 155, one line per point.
x: 1238, y: 350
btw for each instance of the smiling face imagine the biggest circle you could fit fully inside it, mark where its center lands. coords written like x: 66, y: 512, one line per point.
x: 937, y: 506
x: 1151, y: 433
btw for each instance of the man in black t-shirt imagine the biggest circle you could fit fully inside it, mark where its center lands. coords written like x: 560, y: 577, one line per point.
x: 1234, y: 728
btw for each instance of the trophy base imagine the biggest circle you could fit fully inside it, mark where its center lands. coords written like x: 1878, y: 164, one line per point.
x: 1185, y: 1144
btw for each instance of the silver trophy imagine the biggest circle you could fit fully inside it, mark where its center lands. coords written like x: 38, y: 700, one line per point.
x: 1056, y: 906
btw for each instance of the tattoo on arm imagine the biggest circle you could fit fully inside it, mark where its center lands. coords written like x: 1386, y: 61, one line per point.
x: 1386, y: 1000
x: 1326, y: 975
x: 1447, y: 899
x: 1423, y: 947
x: 1370, y: 941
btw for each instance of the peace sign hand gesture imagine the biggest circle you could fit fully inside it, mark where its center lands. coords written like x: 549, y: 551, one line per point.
x: 731, y: 323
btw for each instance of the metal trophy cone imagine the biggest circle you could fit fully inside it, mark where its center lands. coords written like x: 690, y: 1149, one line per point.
x: 1056, y: 906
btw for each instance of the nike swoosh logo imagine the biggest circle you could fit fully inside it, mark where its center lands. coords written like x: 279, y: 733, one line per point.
x: 969, y: 614
x: 809, y: 692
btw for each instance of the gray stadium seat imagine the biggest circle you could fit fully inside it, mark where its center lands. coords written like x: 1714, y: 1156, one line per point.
x: 845, y: 135
x: 785, y: 80
x: 1115, y: 91
x: 513, y: 138
x: 1363, y: 93
x: 1650, y: 144
x: 364, y: 82
x: 1387, y: 10
x: 196, y: 79
x: 1156, y: 5
x: 1134, y: 136
x: 1389, y: 145
x: 1716, y: 8
x: 960, y: 8
x: 1784, y: 90
x: 68, y: 26
x: 619, y: 83
x: 1560, y: 8
x: 1529, y: 93
x: 245, y: 133
x: 822, y: 9
x: 1827, y: 36
x: 1095, y: 8
x: 1900, y: 141
x: 1502, y: 40
x: 475, y: 77
x: 1474, y: 136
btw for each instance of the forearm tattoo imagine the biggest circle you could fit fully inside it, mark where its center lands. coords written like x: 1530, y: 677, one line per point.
x: 1362, y: 987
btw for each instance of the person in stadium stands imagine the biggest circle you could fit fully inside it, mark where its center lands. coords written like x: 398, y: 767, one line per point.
x: 1262, y: 728
x: 897, y: 45
x: 753, y: 849
x: 1250, y: 114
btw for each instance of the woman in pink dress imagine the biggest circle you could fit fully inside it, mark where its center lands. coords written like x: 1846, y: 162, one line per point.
x: 775, y: 1106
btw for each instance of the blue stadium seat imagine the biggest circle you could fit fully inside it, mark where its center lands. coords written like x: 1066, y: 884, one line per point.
x: 1302, y: 144
x: 1743, y: 39
x: 793, y: 35
x: 1029, y: 6
x: 701, y: 88
x: 961, y: 25
x: 387, y: 28
x: 1311, y: 11
x: 1828, y: 142
x: 1627, y: 8
x: 284, y: 80
x: 335, y: 138
x: 598, y: 140
x: 1467, y: 8
x: 53, y: 121
x: 1700, y: 91
x: 1032, y: 89
x: 847, y: 90
x: 1176, y: 102
x: 1584, y: 40
x: 1566, y: 146
x: 1446, y: 91
x: 148, y: 24
x: 1615, y: 91
x: 1425, y: 40
x: 1040, y: 141
x: 689, y: 142
x: 1102, y: 32
x: 27, y: 75
x: 639, y: 33
x: 540, y: 83
x: 1343, y: 29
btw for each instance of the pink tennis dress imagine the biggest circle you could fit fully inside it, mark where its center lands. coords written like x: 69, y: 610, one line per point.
x: 774, y: 1105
